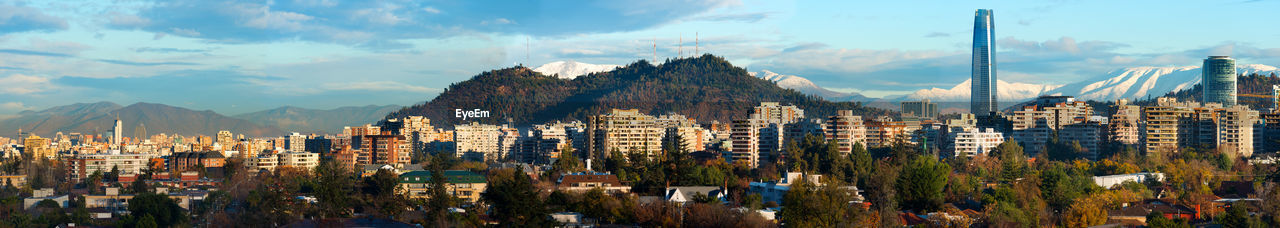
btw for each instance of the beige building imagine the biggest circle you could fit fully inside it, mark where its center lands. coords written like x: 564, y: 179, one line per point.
x: 625, y: 131
x: 84, y: 165
x: 1171, y: 125
x: 1123, y: 126
x: 846, y: 130
x: 478, y: 141
x: 1034, y: 124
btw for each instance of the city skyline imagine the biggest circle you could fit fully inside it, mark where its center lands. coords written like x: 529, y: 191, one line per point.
x: 307, y: 53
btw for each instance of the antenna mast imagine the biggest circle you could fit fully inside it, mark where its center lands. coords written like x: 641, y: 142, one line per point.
x: 680, y: 47
x: 695, y: 44
x: 655, y: 50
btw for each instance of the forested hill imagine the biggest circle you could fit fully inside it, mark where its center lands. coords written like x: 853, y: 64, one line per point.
x: 706, y: 88
x: 1245, y: 84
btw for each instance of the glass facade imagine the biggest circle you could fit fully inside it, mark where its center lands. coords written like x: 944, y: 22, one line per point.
x: 983, y: 83
x: 1218, y: 80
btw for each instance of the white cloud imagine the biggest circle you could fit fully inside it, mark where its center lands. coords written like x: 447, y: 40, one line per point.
x: 23, y: 84
x: 13, y: 106
x: 431, y: 10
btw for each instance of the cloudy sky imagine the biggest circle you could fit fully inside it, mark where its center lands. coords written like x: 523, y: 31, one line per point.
x: 242, y: 56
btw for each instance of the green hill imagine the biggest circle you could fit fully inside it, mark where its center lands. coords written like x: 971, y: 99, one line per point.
x: 706, y: 88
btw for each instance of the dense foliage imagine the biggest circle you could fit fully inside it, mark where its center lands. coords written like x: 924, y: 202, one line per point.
x: 706, y: 88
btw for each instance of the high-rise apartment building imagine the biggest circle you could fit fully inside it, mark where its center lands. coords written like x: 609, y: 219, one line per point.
x: 1218, y: 80
x: 1124, y: 125
x: 477, y: 141
x: 297, y: 142
x: 761, y: 136
x: 1171, y: 125
x: 1034, y: 124
x: 846, y: 130
x: 626, y: 131
x: 983, y: 91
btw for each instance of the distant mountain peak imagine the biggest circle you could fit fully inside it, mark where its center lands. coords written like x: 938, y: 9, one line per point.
x: 805, y: 86
x: 569, y: 69
x: 1143, y: 81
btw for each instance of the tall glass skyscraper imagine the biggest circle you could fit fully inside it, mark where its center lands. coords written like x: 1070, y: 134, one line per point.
x: 983, y: 94
x: 1218, y: 80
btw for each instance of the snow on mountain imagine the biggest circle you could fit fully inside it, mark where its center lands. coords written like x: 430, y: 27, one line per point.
x: 572, y: 69
x: 1007, y: 92
x: 1139, y: 82
x: 805, y: 86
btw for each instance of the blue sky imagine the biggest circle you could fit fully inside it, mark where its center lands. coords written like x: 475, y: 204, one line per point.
x: 242, y: 56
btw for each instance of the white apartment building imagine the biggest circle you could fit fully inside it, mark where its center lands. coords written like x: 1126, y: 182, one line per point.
x: 305, y: 160
x: 297, y: 142
x: 974, y: 142
x: 478, y: 141
x: 84, y: 165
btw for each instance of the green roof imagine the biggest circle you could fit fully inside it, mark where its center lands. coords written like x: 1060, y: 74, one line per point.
x: 451, y: 176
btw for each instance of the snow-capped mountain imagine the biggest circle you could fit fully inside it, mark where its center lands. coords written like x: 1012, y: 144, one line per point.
x: 805, y: 86
x: 1015, y: 91
x: 1139, y: 82
x: 571, y: 69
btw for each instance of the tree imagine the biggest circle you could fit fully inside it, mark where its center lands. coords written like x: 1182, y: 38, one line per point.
x: 860, y: 160
x: 807, y: 205
x: 1238, y: 217
x: 1157, y: 220
x: 514, y: 202
x: 333, y: 190
x: 440, y: 200
x: 920, y: 187
x: 165, y: 211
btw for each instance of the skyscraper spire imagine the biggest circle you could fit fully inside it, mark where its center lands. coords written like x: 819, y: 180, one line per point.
x: 983, y: 92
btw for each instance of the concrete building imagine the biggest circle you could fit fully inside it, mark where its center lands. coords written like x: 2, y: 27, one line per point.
x: 1034, y: 124
x: 884, y: 131
x: 464, y: 185
x: 773, y: 191
x: 382, y: 148
x: 1171, y: 125
x: 586, y: 181
x: 83, y: 165
x: 477, y: 141
x: 1124, y: 125
x: 1089, y: 134
x: 305, y: 160
x: 920, y: 109
x: 846, y: 130
x: 297, y: 142
x: 974, y: 142
x: 625, y: 131
x: 38, y: 147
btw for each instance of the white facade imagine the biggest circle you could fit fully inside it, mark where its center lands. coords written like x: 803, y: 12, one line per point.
x: 477, y: 140
x: 297, y: 142
x: 299, y: 159
x: 974, y: 142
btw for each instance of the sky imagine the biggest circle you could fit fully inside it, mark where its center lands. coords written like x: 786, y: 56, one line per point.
x: 237, y: 57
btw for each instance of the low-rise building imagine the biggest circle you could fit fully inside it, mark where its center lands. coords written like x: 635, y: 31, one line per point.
x: 465, y: 185
x: 586, y: 181
x: 974, y: 142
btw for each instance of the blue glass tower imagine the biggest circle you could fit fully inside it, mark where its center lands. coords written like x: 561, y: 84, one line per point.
x: 982, y: 100
x: 1218, y: 81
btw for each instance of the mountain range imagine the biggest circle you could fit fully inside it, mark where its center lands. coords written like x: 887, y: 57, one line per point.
x: 807, y: 87
x: 706, y: 88
x: 318, y: 121
x: 155, y: 118
x: 90, y: 118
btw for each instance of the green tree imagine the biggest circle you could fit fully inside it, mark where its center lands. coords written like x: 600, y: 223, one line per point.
x: 165, y: 211
x: 920, y: 187
x: 333, y: 188
x: 514, y: 202
x: 807, y: 205
x: 1238, y: 217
